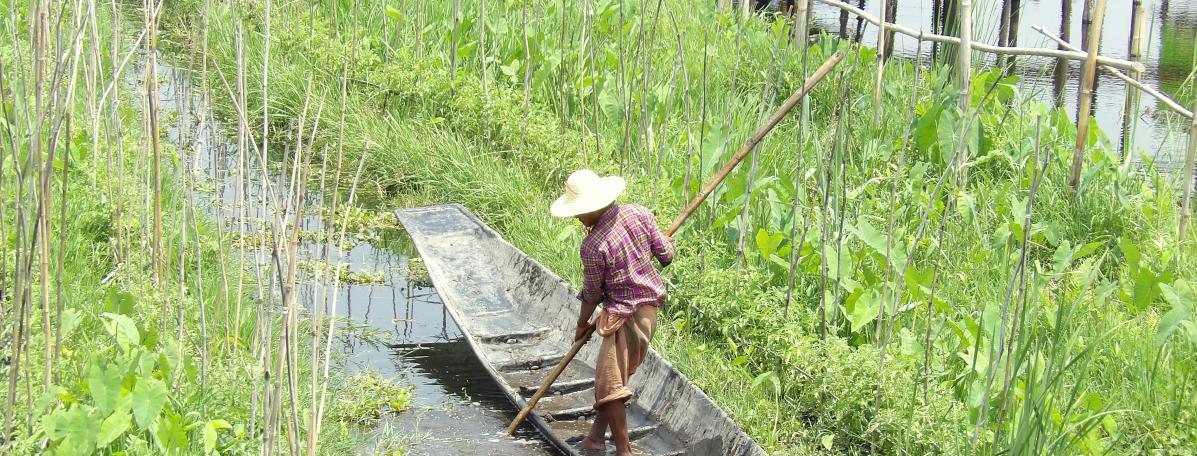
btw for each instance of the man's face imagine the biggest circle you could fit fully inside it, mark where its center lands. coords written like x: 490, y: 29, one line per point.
x: 590, y: 218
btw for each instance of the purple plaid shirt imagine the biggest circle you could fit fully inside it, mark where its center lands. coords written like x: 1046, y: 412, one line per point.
x: 617, y: 260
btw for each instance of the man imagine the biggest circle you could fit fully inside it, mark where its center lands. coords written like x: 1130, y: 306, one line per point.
x: 617, y: 255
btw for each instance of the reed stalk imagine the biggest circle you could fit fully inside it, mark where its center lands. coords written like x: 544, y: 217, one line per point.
x: 1086, y: 96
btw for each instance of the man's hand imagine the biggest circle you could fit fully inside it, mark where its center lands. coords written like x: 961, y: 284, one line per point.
x: 581, y: 331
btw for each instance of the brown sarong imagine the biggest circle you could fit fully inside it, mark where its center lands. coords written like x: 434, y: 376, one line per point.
x: 625, y: 344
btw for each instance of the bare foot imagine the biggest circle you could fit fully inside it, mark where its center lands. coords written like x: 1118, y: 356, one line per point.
x: 590, y: 444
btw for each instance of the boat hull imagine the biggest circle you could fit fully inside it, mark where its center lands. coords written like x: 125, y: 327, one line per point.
x: 519, y: 318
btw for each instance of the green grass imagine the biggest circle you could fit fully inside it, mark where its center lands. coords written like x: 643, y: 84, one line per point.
x: 1103, y: 357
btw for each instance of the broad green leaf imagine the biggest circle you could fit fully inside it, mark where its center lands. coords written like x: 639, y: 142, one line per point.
x: 767, y: 382
x: 879, y: 242
x: 104, y: 381
x: 864, y: 310
x: 70, y: 320
x: 1062, y: 259
x: 123, y: 328
x: 740, y: 361
x: 209, y: 438
x: 149, y: 395
x: 828, y: 441
x: 1088, y: 249
x: 171, y: 433
x: 113, y: 427
x: 1171, y: 320
x: 73, y: 431
x: 119, y: 302
x: 766, y: 244
x: 393, y: 13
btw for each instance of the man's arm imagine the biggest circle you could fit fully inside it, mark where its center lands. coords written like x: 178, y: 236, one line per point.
x: 661, y: 244
x: 594, y: 270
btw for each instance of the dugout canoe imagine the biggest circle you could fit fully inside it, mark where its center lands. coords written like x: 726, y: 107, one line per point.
x: 518, y: 318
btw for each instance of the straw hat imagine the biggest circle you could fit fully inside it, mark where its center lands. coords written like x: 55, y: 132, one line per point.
x: 586, y: 192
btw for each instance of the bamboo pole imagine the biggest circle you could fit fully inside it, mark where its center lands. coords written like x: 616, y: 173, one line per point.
x: 1167, y: 101
x: 1086, y: 95
x: 1187, y: 175
x: 1134, y: 53
x: 756, y: 138
x: 878, y: 88
x: 984, y: 47
x: 965, y: 61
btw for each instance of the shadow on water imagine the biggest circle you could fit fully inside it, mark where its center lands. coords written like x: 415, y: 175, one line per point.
x: 1168, y: 54
x: 397, y: 328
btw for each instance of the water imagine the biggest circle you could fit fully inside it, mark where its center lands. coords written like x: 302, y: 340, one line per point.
x: 1168, y: 56
x: 399, y: 329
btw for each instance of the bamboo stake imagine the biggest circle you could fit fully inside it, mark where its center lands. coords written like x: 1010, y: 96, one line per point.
x: 151, y: 83
x: 1187, y: 175
x: 983, y: 47
x: 1166, y: 100
x: 966, y: 55
x: 882, y: 34
x: 1134, y: 53
x: 1086, y: 95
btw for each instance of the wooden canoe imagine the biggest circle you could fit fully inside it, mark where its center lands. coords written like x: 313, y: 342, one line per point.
x: 518, y: 317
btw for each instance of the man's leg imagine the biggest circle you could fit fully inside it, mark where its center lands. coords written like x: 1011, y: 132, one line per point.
x: 596, y: 439
x: 618, y: 420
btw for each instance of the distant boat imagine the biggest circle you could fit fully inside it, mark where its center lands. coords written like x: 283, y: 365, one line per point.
x: 519, y: 318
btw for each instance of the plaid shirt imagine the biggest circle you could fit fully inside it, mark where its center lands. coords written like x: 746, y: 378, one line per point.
x: 617, y: 260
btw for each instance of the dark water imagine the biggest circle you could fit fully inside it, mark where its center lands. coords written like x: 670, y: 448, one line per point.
x: 1168, y: 55
x: 396, y: 328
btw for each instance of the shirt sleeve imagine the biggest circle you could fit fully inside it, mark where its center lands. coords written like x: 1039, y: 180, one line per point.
x: 662, y: 248
x: 594, y: 270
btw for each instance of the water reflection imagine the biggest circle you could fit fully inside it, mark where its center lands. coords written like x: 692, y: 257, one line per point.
x: 1168, y: 54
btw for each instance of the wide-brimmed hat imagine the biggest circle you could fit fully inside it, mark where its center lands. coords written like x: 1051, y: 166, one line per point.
x: 586, y: 192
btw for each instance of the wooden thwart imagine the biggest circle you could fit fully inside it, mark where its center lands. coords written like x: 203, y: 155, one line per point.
x: 681, y: 218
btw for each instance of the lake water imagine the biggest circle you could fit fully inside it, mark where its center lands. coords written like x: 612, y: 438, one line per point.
x: 392, y: 326
x: 1168, y: 56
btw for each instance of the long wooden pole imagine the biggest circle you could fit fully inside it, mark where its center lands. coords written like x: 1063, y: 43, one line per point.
x: 754, y: 140
x: 681, y: 218
x: 1086, y: 96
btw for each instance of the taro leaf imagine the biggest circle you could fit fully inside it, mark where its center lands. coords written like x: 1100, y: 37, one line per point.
x: 114, y: 426
x: 70, y: 320
x: 1063, y: 257
x: 864, y: 310
x: 1178, y: 294
x: 119, y: 302
x: 74, y: 430
x: 1088, y: 249
x: 123, y: 328
x: 149, y: 395
x: 104, y: 381
x: 766, y: 244
x: 1147, y: 287
x: 171, y: 434
x: 767, y: 382
x: 879, y: 242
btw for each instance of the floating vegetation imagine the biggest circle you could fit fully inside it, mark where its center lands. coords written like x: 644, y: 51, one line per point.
x: 368, y: 396
x: 417, y: 273
x: 323, y: 270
